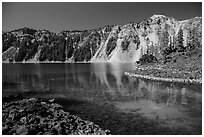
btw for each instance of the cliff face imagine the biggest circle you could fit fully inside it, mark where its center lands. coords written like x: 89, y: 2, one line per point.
x: 120, y: 43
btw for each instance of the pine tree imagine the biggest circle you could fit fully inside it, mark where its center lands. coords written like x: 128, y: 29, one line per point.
x: 164, y: 41
x: 193, y: 39
x: 179, y: 43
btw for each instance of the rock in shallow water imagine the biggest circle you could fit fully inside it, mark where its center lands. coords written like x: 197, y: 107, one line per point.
x: 33, y: 116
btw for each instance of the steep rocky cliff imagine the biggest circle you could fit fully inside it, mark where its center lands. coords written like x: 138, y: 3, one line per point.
x: 159, y: 36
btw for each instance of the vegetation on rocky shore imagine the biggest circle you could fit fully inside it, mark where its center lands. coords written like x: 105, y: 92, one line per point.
x: 176, y: 63
x: 38, y: 117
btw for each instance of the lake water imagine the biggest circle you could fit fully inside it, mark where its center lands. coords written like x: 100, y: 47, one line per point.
x: 90, y: 89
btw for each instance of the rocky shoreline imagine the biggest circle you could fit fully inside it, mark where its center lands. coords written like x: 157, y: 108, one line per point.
x: 159, y: 74
x: 39, y: 117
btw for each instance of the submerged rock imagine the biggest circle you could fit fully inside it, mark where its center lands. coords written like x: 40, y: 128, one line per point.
x: 36, y: 117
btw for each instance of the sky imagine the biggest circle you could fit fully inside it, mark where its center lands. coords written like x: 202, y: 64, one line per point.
x: 58, y: 16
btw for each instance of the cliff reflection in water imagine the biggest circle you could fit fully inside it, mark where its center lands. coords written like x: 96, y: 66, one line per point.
x: 102, y: 79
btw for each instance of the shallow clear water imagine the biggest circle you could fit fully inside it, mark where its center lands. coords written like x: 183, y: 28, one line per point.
x: 179, y: 105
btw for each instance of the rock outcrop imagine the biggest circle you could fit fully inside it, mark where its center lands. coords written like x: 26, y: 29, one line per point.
x: 119, y: 43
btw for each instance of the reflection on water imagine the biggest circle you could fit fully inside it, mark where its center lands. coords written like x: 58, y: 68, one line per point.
x: 169, y: 101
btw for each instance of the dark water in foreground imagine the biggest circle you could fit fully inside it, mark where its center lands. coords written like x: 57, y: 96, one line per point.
x: 86, y: 89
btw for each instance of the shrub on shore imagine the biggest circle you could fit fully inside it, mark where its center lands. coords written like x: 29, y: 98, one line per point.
x: 146, y: 58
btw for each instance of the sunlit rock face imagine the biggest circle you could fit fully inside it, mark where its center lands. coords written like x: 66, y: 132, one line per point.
x: 119, y: 43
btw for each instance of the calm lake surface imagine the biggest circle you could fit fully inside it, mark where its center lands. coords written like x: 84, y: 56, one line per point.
x: 83, y: 87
